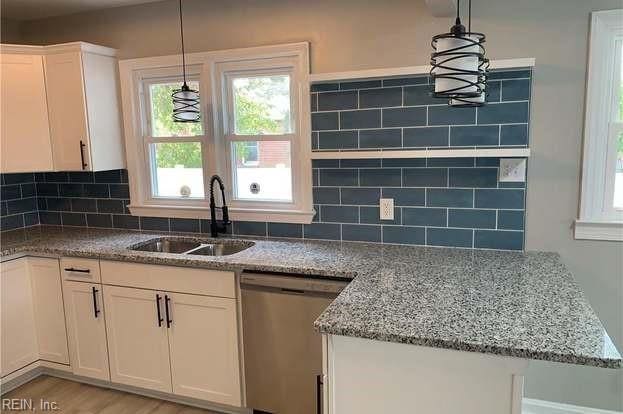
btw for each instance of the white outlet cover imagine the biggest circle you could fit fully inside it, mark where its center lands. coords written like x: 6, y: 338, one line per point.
x: 386, y: 208
x: 512, y: 170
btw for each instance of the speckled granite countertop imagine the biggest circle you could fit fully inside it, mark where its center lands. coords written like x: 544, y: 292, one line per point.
x: 524, y: 305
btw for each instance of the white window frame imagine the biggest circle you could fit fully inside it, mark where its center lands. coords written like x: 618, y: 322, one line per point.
x: 598, y: 220
x: 206, y: 67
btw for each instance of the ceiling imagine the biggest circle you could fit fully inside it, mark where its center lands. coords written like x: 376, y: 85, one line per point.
x: 37, y: 9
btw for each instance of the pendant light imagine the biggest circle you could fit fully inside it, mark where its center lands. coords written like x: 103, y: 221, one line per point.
x: 459, y: 67
x: 185, y: 100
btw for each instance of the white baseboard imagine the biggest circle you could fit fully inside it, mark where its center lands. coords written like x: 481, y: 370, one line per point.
x: 531, y: 406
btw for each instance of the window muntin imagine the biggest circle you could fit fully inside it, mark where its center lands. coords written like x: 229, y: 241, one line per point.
x: 175, y: 151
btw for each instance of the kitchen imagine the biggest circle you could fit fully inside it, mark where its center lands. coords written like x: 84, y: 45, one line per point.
x: 367, y: 243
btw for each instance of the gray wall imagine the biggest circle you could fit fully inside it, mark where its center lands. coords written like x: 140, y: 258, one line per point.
x: 356, y: 34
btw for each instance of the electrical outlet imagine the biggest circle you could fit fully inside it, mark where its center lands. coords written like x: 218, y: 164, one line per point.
x: 387, y: 208
x: 512, y: 170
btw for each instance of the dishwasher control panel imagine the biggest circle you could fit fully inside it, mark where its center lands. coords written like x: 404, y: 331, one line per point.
x: 292, y: 283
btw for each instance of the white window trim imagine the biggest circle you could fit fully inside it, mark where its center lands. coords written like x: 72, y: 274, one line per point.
x: 597, y: 219
x: 215, y: 154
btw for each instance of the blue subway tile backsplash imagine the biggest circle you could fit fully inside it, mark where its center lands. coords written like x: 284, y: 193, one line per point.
x: 456, y: 202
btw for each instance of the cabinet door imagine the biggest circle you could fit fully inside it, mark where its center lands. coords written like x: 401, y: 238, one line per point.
x: 25, y: 132
x: 67, y: 111
x: 203, y: 339
x: 48, y: 304
x: 137, y: 341
x: 19, y: 337
x: 86, y: 329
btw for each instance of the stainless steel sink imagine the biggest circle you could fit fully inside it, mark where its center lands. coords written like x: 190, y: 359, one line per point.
x: 168, y: 246
x: 218, y: 249
x: 182, y: 245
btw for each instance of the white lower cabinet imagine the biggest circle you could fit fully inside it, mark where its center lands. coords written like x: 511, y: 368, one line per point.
x: 48, y: 305
x: 86, y: 329
x: 203, y: 339
x: 19, y: 333
x: 168, y: 329
x: 138, y: 347
x: 172, y: 342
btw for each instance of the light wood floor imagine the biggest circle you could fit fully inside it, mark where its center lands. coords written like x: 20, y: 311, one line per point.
x: 76, y: 398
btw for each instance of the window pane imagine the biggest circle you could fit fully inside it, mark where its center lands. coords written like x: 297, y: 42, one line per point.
x: 262, y: 170
x: 177, y: 170
x: 162, y: 123
x: 262, y: 105
x: 618, y: 182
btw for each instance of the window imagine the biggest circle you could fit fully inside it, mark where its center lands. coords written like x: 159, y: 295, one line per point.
x: 601, y: 207
x: 175, y: 157
x: 254, y: 133
x: 258, y: 119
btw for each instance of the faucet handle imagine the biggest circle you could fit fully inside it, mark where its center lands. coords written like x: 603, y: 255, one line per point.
x: 225, y: 215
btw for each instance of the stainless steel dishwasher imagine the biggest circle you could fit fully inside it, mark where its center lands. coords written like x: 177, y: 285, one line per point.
x: 282, y: 351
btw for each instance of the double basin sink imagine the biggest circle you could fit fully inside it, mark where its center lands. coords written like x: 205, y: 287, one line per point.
x: 183, y: 245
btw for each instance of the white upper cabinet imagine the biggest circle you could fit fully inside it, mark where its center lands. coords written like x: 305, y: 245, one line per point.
x: 83, y: 105
x: 25, y: 134
x: 72, y: 89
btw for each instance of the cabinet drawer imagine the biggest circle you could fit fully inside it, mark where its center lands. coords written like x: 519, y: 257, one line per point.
x: 81, y: 270
x: 169, y: 278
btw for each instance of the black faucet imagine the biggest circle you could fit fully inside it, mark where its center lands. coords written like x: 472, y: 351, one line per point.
x: 216, y: 228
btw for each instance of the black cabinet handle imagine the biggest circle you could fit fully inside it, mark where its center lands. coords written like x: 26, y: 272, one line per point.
x: 167, y: 299
x: 71, y: 269
x: 160, y: 320
x: 319, y: 394
x: 84, y: 164
x: 95, y: 310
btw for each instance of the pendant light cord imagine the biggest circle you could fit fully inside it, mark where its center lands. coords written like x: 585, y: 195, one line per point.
x: 182, y: 36
x: 469, y: 16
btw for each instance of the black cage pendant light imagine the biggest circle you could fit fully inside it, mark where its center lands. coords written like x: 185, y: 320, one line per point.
x: 459, y: 67
x: 185, y: 100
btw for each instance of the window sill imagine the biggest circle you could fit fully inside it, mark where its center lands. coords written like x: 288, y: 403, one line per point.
x: 235, y: 214
x: 599, y: 230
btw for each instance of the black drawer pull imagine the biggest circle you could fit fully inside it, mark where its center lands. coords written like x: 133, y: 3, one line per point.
x: 71, y: 269
x: 160, y: 320
x: 95, y: 310
x: 167, y: 299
